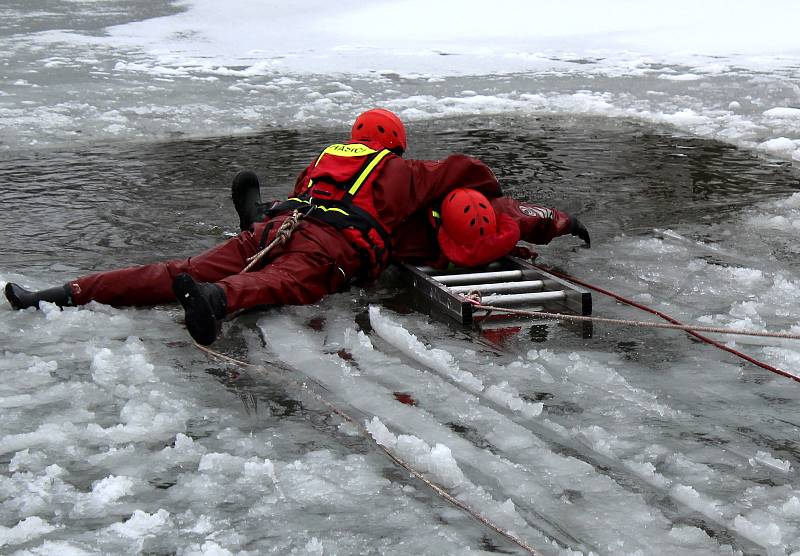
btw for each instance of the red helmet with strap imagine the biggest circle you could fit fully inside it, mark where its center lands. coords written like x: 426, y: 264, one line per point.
x: 382, y: 126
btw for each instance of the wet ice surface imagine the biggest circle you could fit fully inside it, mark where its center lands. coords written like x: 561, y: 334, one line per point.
x: 120, y: 436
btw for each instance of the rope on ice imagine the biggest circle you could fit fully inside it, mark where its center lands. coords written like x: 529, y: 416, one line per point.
x: 440, y: 491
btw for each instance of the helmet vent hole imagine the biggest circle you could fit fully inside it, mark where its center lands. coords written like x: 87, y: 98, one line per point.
x: 380, y: 128
x: 359, y: 126
x: 472, y: 223
x: 481, y: 231
x: 395, y: 133
x: 485, y: 219
x: 453, y: 196
x: 466, y: 209
x: 482, y: 205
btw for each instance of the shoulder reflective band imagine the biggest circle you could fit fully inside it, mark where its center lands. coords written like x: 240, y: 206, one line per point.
x: 354, y: 189
x: 435, y: 214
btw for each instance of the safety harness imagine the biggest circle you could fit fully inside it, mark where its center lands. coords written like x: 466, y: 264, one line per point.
x: 339, y: 192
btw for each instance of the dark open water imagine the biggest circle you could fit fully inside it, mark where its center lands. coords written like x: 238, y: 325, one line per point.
x: 114, y: 204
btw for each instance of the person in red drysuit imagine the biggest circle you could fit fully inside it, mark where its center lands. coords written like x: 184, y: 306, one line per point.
x: 448, y: 235
x: 353, y: 196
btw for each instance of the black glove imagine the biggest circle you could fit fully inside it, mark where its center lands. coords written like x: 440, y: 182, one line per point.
x: 578, y: 229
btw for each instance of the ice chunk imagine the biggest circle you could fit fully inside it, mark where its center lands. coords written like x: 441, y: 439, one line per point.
x: 24, y: 531
x: 381, y: 433
x: 696, y: 501
x: 437, y: 359
x: 444, y: 467
x: 765, y: 535
x: 208, y: 548
x: 765, y: 458
x: 141, y: 524
x: 780, y: 146
x: 791, y: 508
x: 314, y: 547
x: 111, y: 489
x: 223, y: 464
x: 783, y: 112
x: 506, y: 396
x: 437, y: 461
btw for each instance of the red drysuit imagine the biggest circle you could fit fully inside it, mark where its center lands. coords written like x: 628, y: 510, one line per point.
x: 415, y: 240
x: 318, y: 258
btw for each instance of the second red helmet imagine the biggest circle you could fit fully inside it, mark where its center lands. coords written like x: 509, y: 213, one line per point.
x: 468, y: 216
x: 382, y: 126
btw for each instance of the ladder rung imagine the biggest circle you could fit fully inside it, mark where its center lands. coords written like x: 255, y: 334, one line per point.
x: 516, y: 298
x: 477, y: 277
x: 498, y: 287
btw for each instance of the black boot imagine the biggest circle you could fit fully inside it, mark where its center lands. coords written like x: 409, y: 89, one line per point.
x: 246, y: 195
x: 205, y: 306
x: 20, y: 298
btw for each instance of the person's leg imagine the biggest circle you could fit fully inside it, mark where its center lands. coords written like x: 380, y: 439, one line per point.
x: 318, y: 260
x: 147, y: 284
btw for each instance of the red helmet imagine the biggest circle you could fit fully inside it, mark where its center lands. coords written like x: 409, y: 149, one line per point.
x: 382, y: 126
x: 472, y: 234
x: 468, y: 216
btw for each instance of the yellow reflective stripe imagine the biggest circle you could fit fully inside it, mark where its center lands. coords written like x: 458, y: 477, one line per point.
x: 310, y: 183
x: 354, y: 189
x: 334, y: 209
x: 326, y: 209
x: 435, y: 214
x: 355, y: 149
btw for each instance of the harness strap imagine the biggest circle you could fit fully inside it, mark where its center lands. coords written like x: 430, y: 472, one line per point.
x: 281, y: 237
x: 340, y: 214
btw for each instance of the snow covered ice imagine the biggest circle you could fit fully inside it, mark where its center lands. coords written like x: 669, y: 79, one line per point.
x: 672, y: 130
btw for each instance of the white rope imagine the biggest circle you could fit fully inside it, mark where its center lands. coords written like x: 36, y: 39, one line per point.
x: 643, y: 324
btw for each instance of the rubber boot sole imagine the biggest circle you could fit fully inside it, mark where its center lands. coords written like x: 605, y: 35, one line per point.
x: 201, y: 323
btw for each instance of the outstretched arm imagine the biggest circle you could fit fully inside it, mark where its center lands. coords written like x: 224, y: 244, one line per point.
x: 538, y: 224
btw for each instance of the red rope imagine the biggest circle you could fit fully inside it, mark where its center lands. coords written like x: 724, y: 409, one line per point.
x: 668, y: 318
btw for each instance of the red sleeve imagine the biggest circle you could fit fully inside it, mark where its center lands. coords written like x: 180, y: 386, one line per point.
x: 405, y: 186
x: 537, y: 224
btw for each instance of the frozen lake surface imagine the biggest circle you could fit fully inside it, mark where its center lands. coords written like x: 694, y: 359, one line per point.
x: 120, y: 134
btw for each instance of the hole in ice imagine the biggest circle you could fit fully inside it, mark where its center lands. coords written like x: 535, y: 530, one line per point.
x: 563, y: 408
x: 570, y: 495
x: 488, y: 545
x: 536, y: 396
x: 472, y: 435
x: 284, y: 406
x: 161, y: 483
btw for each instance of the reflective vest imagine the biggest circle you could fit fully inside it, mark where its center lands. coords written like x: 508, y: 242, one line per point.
x: 338, y: 191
